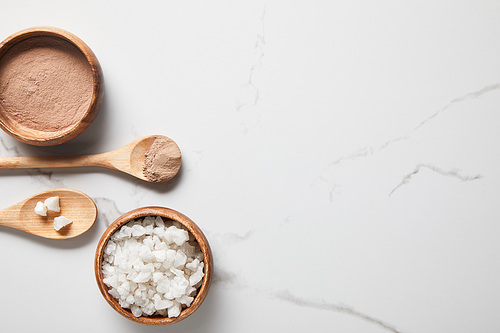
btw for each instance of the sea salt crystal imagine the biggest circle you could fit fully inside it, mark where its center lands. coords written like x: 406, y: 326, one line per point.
x: 180, y: 259
x: 193, y: 265
x: 61, y: 222
x: 184, y: 299
x: 52, y: 204
x: 175, y: 310
x: 180, y: 237
x: 136, y: 311
x: 138, y: 230
x: 153, y: 267
x: 196, y: 277
x: 41, y: 209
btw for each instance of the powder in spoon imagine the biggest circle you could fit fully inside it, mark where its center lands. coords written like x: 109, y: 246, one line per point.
x: 163, y: 160
x: 46, y: 84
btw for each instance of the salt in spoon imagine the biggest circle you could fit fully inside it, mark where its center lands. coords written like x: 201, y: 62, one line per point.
x: 75, y: 205
x: 153, y: 158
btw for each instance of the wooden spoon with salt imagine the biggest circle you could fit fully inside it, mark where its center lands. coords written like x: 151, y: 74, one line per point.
x: 75, y: 205
x: 153, y: 158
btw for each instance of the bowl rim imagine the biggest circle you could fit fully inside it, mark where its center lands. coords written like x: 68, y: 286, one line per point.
x: 192, y: 228
x: 39, y: 138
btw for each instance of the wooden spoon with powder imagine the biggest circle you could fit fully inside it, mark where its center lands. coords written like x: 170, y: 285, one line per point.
x: 153, y: 158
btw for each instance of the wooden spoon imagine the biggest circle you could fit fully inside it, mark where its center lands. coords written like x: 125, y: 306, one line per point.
x: 75, y: 205
x: 136, y: 159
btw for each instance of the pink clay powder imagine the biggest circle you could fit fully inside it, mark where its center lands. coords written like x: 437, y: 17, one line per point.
x: 46, y: 84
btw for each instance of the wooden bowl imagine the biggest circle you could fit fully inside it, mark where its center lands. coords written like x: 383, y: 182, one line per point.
x: 165, y: 213
x: 47, y: 38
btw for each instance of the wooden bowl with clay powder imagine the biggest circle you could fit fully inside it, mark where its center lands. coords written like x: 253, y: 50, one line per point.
x: 51, y: 86
x: 166, y: 215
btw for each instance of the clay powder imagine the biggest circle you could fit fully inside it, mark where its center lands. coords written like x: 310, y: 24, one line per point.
x: 46, y: 84
x: 163, y: 160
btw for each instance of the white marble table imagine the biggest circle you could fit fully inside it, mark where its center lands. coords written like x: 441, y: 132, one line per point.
x: 341, y: 157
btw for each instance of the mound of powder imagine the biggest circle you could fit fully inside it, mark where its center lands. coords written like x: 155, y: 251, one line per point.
x: 163, y: 160
x: 153, y: 267
x: 46, y: 84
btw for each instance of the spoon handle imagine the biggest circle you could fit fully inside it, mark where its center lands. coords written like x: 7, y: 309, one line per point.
x: 53, y: 161
x: 9, y: 217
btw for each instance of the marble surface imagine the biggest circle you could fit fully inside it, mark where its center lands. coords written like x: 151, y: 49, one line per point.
x: 341, y: 158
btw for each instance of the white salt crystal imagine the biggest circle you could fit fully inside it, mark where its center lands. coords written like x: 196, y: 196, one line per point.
x: 174, y: 310
x: 180, y: 259
x: 123, y: 303
x: 111, y: 281
x: 158, y: 231
x: 148, y: 268
x: 149, y: 242
x: 149, y: 229
x: 110, y: 248
x: 163, y: 304
x: 41, y: 209
x: 113, y: 292
x: 145, y: 253
x: 160, y: 255
x: 196, y: 277
x: 184, y: 299
x: 148, y: 221
x: 193, y: 265
x: 163, y: 286
x: 177, y: 272
x: 143, y: 277
x: 126, y: 231
x: 168, y: 235
x: 138, y: 230
x: 52, y: 204
x: 180, y: 237
x: 159, y: 223
x: 157, y: 276
x: 179, y: 285
x: 169, y: 295
x: 136, y: 311
x: 188, y: 249
x: 169, y: 258
x: 191, y: 291
x: 148, y: 308
x: 61, y: 222
x: 130, y: 299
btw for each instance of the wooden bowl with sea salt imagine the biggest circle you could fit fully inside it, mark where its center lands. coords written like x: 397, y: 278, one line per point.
x: 51, y: 86
x: 130, y: 234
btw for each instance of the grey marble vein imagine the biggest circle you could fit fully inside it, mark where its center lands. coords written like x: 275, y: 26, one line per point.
x: 367, y: 151
x: 469, y: 96
x: 45, y: 178
x: 12, y: 151
x: 448, y: 173
x: 228, y: 278
x: 233, y: 280
x: 107, y: 209
x: 286, y: 296
x: 363, y: 152
x: 261, y: 39
x: 250, y: 84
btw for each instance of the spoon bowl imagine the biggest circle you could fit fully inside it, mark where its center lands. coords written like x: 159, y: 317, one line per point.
x: 75, y: 205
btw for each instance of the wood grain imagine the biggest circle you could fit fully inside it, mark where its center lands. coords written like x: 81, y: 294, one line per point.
x: 75, y: 205
x: 129, y: 159
x: 167, y: 214
x: 39, y: 138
